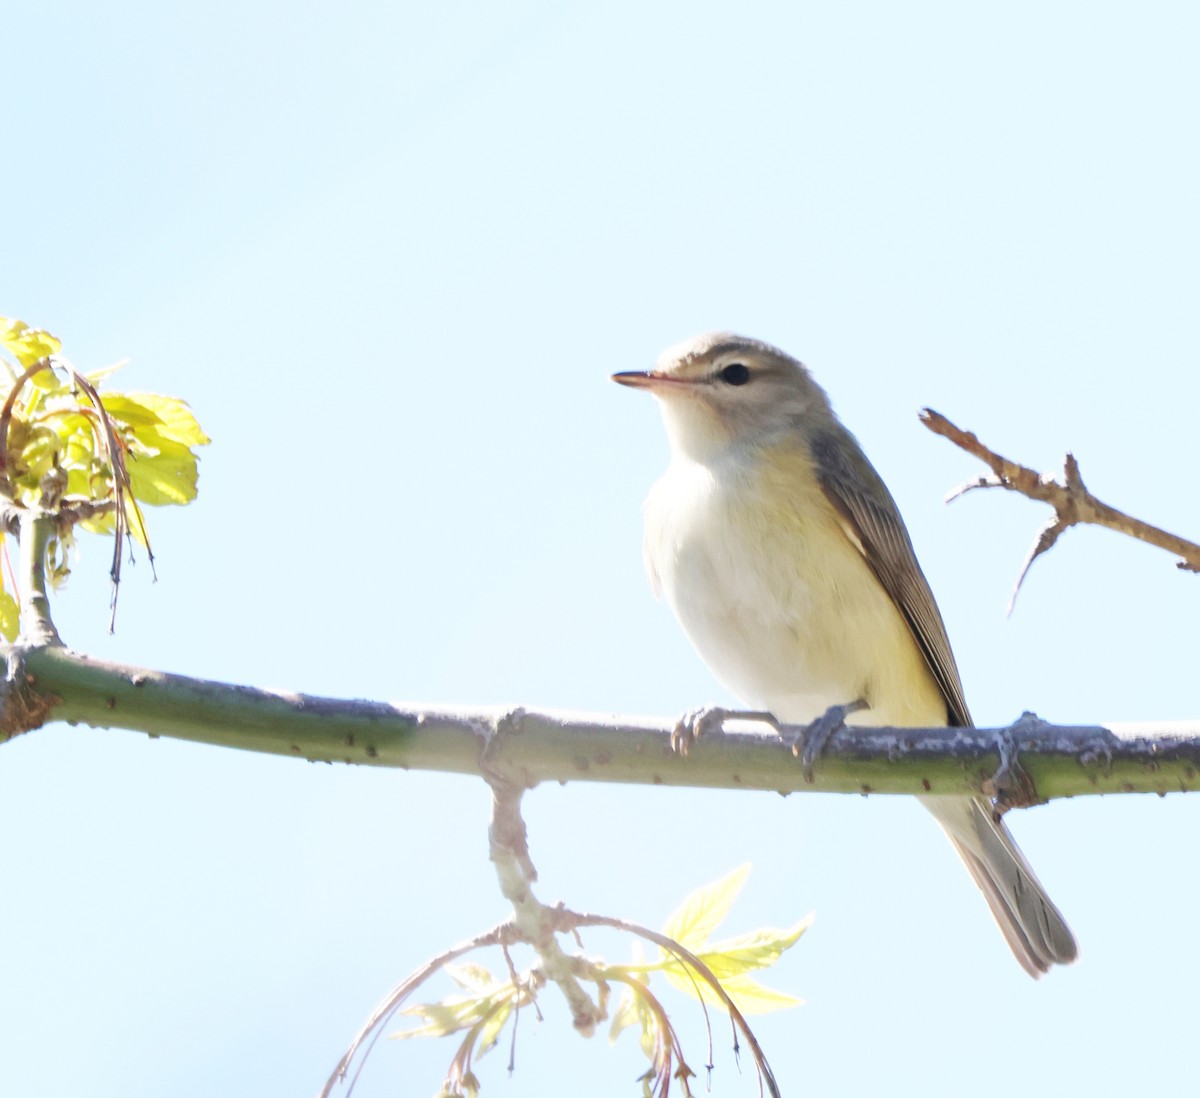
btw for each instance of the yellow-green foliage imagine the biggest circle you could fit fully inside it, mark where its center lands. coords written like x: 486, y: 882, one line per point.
x: 486, y: 1002
x: 87, y: 459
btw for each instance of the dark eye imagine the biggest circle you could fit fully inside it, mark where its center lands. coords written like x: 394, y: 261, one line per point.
x: 735, y: 374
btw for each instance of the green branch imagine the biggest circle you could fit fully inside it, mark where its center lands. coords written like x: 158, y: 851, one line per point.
x: 35, y: 531
x: 1042, y: 761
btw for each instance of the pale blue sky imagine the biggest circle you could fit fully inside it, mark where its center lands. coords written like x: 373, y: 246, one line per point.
x: 390, y: 253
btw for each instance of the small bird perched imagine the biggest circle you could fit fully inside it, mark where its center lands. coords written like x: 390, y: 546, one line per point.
x: 785, y: 559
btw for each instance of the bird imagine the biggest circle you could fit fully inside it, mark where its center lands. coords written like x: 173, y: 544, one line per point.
x: 784, y: 558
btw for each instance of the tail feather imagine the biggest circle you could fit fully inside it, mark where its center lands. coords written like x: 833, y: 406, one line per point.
x: 1033, y: 927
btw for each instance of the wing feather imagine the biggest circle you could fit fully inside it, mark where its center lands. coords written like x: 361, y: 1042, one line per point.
x: 860, y: 497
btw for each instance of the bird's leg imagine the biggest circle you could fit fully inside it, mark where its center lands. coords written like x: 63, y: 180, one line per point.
x: 694, y: 723
x: 809, y: 745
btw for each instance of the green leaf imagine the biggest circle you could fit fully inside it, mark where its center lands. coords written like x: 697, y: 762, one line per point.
x: 489, y: 1034
x: 624, y: 1016
x: 96, y: 377
x: 105, y: 524
x: 37, y: 456
x: 646, y: 1018
x: 731, y: 960
x: 631, y: 1010
x: 27, y: 345
x: 752, y: 997
x: 164, y: 417
x: 133, y: 413
x: 10, y: 614
x: 747, y: 952
x: 705, y: 909
x: 457, y: 1012
x: 58, y: 552
x: 441, y: 1019
x: 161, y: 471
x: 474, y: 978
x: 748, y: 994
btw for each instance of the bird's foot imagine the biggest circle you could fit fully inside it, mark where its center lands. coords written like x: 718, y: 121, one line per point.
x: 812, y: 741
x: 694, y: 723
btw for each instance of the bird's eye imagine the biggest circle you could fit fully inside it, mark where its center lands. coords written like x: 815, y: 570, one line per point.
x: 735, y: 374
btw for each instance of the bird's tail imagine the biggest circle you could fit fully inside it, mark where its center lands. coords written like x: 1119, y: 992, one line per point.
x: 1033, y: 927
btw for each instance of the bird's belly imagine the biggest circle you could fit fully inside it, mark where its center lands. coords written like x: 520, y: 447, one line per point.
x: 783, y: 607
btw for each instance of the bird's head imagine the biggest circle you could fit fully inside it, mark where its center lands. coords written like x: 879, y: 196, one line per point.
x: 722, y: 393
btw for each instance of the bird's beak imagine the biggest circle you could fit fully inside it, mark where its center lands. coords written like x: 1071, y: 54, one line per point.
x: 635, y: 379
x: 643, y: 379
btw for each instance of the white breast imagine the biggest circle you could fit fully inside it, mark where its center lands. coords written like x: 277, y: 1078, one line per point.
x: 777, y: 599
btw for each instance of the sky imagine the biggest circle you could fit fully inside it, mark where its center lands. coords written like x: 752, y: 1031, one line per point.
x: 390, y: 254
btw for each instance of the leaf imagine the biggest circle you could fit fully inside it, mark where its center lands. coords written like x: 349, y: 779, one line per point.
x: 448, y: 1016
x: 747, y: 952
x: 27, y: 345
x: 458, y: 1012
x: 474, y: 978
x: 100, y: 524
x: 168, y: 417
x: 58, y: 552
x: 489, y: 1034
x: 37, y: 456
x: 705, y: 909
x: 631, y: 1011
x: 105, y: 372
x: 161, y: 472
x: 10, y: 614
x: 752, y: 997
x: 131, y: 412
x: 748, y: 994
x: 730, y: 960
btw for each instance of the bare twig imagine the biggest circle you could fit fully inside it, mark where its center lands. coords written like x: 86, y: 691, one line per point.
x: 539, y: 926
x: 1072, y: 502
x: 666, y: 1043
x: 383, y: 1013
x: 690, y: 960
x: 122, y: 492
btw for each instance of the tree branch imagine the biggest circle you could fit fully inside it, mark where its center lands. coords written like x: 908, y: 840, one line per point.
x: 1071, y: 500
x: 35, y: 529
x: 525, y: 748
x: 532, y: 920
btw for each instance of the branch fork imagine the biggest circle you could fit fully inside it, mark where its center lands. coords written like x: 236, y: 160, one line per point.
x: 1072, y: 502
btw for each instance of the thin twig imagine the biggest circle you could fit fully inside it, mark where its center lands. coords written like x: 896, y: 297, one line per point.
x: 687, y: 957
x: 373, y: 1026
x: 122, y: 491
x: 539, y: 926
x: 1072, y: 502
x: 665, y: 1051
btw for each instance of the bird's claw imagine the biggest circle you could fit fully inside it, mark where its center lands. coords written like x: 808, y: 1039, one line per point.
x: 694, y: 723
x: 813, y: 740
x: 707, y: 719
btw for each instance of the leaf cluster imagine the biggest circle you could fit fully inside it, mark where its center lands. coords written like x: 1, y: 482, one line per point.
x: 84, y: 459
x: 730, y: 960
x: 717, y: 973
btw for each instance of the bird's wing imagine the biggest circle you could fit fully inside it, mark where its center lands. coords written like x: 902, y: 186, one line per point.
x: 874, y: 524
